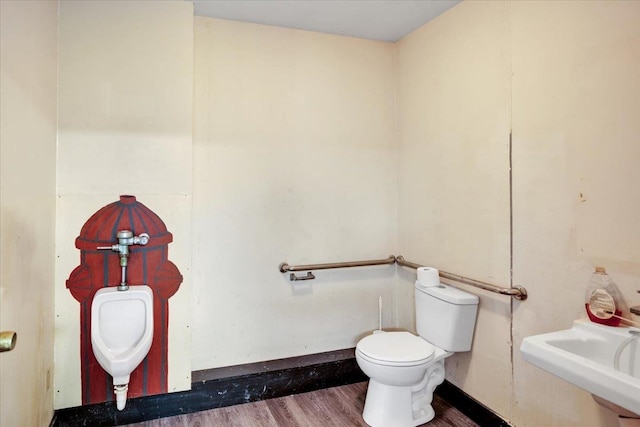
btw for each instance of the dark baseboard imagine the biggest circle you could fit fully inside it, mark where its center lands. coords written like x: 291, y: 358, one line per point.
x: 217, y: 388
x: 470, y: 407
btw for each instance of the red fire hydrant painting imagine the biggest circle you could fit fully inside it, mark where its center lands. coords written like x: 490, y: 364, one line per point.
x: 147, y: 265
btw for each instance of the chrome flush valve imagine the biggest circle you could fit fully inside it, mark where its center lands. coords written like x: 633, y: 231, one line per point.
x: 125, y: 239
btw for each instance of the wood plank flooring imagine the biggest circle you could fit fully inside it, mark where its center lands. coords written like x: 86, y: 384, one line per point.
x: 330, y: 407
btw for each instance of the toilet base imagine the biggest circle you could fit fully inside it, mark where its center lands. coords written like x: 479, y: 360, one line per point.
x: 410, y: 406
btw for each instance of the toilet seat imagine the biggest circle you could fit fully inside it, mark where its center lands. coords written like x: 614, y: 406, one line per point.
x: 395, y: 349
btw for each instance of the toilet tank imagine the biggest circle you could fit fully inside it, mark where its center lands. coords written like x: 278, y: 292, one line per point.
x: 446, y: 316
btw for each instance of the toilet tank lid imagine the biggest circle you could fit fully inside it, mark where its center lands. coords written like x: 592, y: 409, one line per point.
x: 450, y: 294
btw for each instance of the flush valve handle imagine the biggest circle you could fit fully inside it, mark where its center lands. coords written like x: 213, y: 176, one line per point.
x: 142, y: 239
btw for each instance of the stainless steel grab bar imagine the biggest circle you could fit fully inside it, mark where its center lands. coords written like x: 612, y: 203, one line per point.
x: 518, y: 292
x: 284, y: 267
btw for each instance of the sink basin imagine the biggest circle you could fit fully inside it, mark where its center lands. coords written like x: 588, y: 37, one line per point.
x: 584, y: 356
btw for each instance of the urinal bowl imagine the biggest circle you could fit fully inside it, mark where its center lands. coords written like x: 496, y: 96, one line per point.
x: 121, y: 332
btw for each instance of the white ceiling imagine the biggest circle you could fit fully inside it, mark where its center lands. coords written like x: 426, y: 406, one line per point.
x: 384, y: 20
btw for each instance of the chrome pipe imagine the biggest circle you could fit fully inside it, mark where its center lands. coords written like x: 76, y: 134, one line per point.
x: 518, y: 292
x: 284, y: 267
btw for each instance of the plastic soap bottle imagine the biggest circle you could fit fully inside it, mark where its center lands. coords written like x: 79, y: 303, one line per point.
x: 603, y: 300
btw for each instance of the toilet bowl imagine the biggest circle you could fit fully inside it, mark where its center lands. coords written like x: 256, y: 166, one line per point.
x: 121, y: 333
x: 404, y: 369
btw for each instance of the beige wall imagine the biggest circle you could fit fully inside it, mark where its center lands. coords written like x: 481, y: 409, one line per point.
x: 568, y: 73
x: 28, y: 56
x: 454, y: 120
x: 124, y: 127
x: 294, y: 160
x: 576, y: 148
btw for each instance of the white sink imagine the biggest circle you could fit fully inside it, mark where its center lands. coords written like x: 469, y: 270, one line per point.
x: 584, y: 356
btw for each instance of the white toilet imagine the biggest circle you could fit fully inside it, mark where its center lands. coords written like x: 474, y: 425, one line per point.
x: 121, y: 333
x: 403, y: 368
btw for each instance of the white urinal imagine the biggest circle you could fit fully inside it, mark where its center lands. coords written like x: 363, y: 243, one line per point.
x: 121, y: 333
